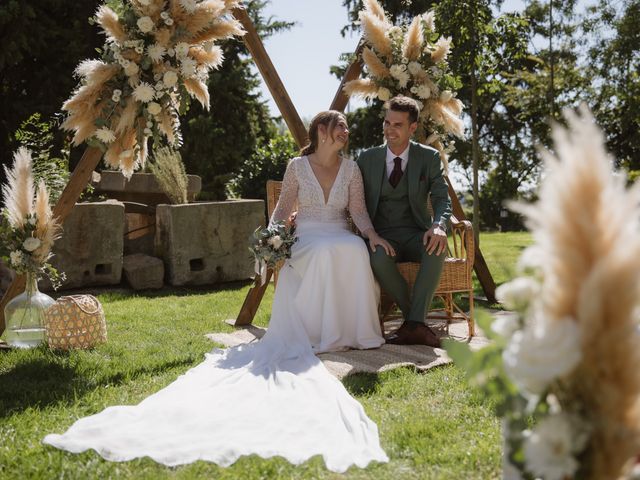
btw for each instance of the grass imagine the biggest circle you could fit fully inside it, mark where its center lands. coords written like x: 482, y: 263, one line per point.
x: 432, y: 426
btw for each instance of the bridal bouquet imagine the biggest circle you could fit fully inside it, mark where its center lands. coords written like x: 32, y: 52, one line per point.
x: 272, y: 245
x: 563, y: 370
x: 411, y: 60
x: 28, y: 228
x: 157, y: 54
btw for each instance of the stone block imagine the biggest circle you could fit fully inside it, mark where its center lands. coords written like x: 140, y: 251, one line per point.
x: 90, y: 249
x: 206, y: 243
x: 142, y: 187
x: 143, y: 271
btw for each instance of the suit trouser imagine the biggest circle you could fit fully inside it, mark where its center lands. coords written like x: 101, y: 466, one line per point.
x: 408, y: 245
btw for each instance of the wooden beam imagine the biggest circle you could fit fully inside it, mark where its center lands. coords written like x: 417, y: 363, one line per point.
x: 352, y: 73
x: 479, y: 265
x: 77, y: 183
x: 252, y: 301
x: 271, y: 78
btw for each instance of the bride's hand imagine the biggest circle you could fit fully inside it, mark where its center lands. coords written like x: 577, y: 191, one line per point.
x: 375, y: 239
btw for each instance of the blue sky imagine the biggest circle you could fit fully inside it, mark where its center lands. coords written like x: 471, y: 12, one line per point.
x: 304, y: 54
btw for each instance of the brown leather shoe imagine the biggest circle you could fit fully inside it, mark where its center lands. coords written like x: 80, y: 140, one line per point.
x: 411, y: 333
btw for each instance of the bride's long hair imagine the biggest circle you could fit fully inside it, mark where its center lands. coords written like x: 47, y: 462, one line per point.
x: 330, y: 119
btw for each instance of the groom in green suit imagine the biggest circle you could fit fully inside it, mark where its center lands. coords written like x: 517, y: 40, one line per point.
x: 398, y: 178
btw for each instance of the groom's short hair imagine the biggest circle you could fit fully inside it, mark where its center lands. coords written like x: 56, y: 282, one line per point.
x: 400, y: 103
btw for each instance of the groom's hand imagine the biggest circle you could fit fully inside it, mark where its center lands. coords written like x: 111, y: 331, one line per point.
x: 435, y: 240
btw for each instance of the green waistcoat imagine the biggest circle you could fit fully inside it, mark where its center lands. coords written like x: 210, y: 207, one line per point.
x: 394, y: 210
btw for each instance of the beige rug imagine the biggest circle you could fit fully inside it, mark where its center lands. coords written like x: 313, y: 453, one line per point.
x: 342, y: 364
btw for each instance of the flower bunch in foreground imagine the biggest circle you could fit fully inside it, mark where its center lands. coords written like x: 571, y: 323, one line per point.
x: 411, y: 60
x: 157, y: 54
x: 28, y: 228
x: 272, y: 245
x: 563, y: 367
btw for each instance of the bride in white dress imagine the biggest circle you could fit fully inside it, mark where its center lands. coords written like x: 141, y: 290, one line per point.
x: 274, y: 397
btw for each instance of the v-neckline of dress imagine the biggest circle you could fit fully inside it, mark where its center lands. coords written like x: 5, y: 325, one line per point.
x: 328, y: 197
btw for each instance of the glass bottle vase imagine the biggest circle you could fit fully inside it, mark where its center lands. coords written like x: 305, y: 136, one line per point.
x: 24, y: 315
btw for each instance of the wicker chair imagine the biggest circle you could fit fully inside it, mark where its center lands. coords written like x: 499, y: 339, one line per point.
x: 456, y: 274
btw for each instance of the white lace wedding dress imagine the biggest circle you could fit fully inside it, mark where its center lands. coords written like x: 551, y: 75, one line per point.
x: 273, y: 397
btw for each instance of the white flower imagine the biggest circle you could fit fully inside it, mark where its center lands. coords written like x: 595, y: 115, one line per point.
x: 171, y: 52
x: 446, y: 96
x: 545, y: 350
x: 188, y: 5
x: 414, y: 68
x: 549, y: 448
x: 32, y: 220
x: 144, y: 92
x: 506, y: 325
x: 31, y: 243
x: 275, y: 241
x: 518, y: 293
x: 154, y: 108
x: 16, y: 258
x: 139, y: 49
x: 131, y: 69
x: 170, y: 78
x: 164, y: 15
x: 384, y: 94
x: 147, y: 131
x: 159, y: 86
x: 115, y: 96
x: 156, y: 52
x: 149, y: 124
x: 145, y: 24
x: 182, y: 49
x: 397, y: 70
x: 169, y: 21
x: 395, y: 32
x: 188, y: 67
x: 105, y: 135
x: 423, y: 91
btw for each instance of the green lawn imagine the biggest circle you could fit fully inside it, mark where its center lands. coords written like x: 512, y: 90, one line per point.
x: 433, y: 426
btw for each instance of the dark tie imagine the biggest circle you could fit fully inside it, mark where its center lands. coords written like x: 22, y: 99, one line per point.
x: 396, y: 173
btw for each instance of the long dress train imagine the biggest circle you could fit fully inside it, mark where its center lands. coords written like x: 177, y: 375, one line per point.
x: 273, y: 397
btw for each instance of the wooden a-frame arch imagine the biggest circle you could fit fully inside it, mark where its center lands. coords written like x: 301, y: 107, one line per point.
x: 92, y: 156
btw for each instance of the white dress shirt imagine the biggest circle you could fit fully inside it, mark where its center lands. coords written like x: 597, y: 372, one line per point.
x: 391, y: 156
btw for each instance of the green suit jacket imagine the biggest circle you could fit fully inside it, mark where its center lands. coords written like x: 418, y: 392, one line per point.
x: 424, y: 174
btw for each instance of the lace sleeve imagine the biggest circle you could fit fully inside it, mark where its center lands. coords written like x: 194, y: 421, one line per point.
x: 288, y: 195
x: 357, y: 207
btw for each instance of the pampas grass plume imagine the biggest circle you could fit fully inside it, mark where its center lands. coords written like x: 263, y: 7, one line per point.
x: 376, y: 67
x: 586, y: 224
x: 375, y: 31
x: 375, y: 8
x: 18, y: 191
x: 108, y: 20
x: 364, y: 88
x: 413, y: 40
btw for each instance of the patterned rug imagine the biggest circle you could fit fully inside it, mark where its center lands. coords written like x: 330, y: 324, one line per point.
x: 342, y: 364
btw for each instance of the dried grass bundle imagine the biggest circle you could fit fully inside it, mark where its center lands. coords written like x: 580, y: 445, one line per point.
x: 199, y: 90
x: 375, y: 32
x: 169, y: 171
x: 219, y: 30
x: 586, y: 224
x: 18, y: 191
x: 376, y: 67
x: 127, y: 115
x: 413, y: 40
x: 362, y: 87
x: 108, y: 20
x: 166, y: 127
x: 163, y: 37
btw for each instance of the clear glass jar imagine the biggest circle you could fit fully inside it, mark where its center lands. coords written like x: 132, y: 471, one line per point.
x: 24, y: 315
